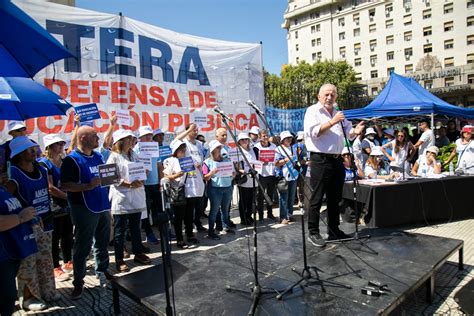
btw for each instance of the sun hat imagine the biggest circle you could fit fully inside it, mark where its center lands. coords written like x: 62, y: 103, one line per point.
x: 285, y: 134
x: 346, y: 151
x: 176, y: 144
x: 433, y: 149
x: 300, y: 135
x: 15, y: 125
x: 389, y: 131
x: 20, y: 144
x: 121, y: 134
x: 254, y: 130
x: 376, y: 151
x: 370, y: 131
x: 242, y: 136
x: 157, y: 131
x: 144, y: 130
x: 214, y: 144
x: 50, y: 139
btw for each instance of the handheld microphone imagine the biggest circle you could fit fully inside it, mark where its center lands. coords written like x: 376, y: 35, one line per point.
x: 255, y: 107
x: 221, y: 113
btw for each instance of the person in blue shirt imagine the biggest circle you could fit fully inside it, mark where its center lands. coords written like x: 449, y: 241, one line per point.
x: 90, y: 207
x: 29, y: 184
x: 17, y: 242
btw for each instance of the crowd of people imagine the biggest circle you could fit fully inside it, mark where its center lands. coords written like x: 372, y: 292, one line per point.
x: 53, y: 207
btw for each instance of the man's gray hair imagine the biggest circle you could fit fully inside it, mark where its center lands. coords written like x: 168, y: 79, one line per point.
x: 325, y: 86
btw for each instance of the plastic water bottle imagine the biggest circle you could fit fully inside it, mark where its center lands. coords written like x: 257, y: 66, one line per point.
x: 451, y: 169
x: 423, y: 170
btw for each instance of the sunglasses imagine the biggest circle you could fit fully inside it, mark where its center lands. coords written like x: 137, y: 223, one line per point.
x: 400, y: 135
x: 20, y: 129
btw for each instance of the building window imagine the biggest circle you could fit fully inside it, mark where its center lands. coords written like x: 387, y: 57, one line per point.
x: 388, y: 10
x: 470, y: 4
x: 373, y: 60
x: 448, y: 44
x: 318, y: 41
x: 341, y: 22
x: 390, y: 70
x: 389, y: 24
x: 470, y: 21
x: 407, y: 36
x: 320, y: 55
x: 358, y: 62
x: 356, y: 32
x: 297, y: 47
x: 313, y: 42
x: 470, y: 58
x: 358, y: 76
x: 470, y: 79
x: 372, y: 28
x: 295, y: 22
x: 428, y: 84
x: 356, y: 48
x: 427, y: 31
x: 408, y: 53
x: 296, y: 34
x: 342, y: 36
x: 389, y: 40
x: 373, y: 44
x: 342, y: 51
x: 371, y: 15
x: 427, y: 48
x: 356, y: 19
x: 297, y: 60
x: 313, y: 56
x: 449, y: 81
x: 313, y: 29
x: 314, y: 15
x: 318, y: 27
x: 449, y: 62
x: 374, y: 74
x: 409, y: 68
x: 390, y: 55
x: 407, y: 5
x: 448, y: 8
x: 470, y: 40
x: 375, y: 91
x: 426, y: 14
x: 448, y: 26
x: 407, y: 19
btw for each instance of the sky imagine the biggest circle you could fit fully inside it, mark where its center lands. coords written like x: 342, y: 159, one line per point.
x: 249, y: 21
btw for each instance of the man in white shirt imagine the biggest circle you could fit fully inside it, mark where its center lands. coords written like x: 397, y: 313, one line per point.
x: 324, y: 139
x: 427, y: 139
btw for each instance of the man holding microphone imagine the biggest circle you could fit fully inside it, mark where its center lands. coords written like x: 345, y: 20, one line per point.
x: 324, y: 140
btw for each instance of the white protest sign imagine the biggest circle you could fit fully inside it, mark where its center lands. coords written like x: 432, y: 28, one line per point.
x: 123, y: 117
x: 136, y: 171
x: 257, y: 165
x: 225, y: 169
x: 234, y: 155
x: 199, y: 118
x: 151, y: 149
x: 146, y: 160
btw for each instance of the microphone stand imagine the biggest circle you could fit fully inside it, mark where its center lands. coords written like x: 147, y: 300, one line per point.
x: 355, y: 184
x: 256, y: 291
x: 305, y: 275
x: 163, y: 221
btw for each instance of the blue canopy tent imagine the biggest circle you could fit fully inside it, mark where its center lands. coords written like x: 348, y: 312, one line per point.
x: 403, y: 97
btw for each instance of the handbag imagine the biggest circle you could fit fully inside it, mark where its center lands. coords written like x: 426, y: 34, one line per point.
x: 177, y: 193
x: 282, y: 184
x: 240, y: 178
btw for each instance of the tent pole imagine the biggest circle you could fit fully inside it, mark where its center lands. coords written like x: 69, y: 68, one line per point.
x: 432, y: 120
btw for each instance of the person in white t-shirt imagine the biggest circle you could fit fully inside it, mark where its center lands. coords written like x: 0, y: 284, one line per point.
x: 253, y: 134
x: 368, y: 143
x: 402, y: 150
x: 427, y: 138
x: 375, y: 166
x: 427, y: 164
x: 465, y: 150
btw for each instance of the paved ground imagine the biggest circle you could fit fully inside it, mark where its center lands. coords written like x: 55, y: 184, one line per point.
x: 98, y: 301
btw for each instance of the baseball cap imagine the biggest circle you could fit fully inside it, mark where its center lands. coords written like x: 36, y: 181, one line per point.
x: 433, y: 149
x: 20, y: 144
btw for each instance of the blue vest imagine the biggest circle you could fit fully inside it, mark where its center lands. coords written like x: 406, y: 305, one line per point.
x: 55, y: 170
x: 18, y: 242
x: 96, y: 200
x: 34, y: 192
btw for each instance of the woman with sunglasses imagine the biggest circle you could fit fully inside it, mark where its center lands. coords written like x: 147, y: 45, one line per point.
x: 402, y: 150
x: 427, y: 163
x: 375, y: 166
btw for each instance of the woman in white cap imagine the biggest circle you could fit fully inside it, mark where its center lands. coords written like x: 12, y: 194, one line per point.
x: 375, y: 166
x: 127, y: 201
x: 29, y: 184
x: 286, y: 172
x: 368, y: 143
x: 427, y: 164
x: 219, y: 189
x: 172, y: 171
x: 402, y: 150
x: 246, y: 189
x: 63, y: 230
x: 464, y: 149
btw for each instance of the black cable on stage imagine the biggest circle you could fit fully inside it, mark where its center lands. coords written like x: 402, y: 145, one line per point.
x: 171, y: 272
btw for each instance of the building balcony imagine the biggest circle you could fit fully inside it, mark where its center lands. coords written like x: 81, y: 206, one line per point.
x: 318, y: 4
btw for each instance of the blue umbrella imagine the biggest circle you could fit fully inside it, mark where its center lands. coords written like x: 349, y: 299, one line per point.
x: 24, y: 98
x: 25, y: 41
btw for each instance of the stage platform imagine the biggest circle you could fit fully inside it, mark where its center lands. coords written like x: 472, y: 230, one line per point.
x: 404, y: 261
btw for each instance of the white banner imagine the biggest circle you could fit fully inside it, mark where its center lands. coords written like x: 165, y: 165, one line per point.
x: 159, y: 75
